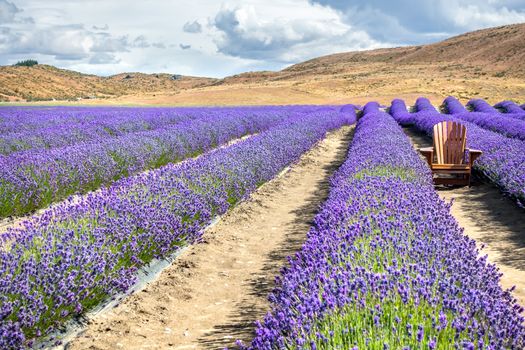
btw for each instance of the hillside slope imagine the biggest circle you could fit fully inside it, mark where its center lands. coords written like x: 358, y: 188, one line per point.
x: 499, y: 50
x: 488, y: 63
x: 43, y: 82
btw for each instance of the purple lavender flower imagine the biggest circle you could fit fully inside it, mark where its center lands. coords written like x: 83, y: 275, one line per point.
x: 489, y: 119
x: 420, y: 333
x: 511, y: 108
x: 503, y: 159
x: 89, y: 159
x: 76, y: 254
x: 451, y: 105
x: 479, y: 105
x: 385, y: 237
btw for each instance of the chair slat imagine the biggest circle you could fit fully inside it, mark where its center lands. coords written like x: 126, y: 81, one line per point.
x: 449, y: 142
x: 446, y: 137
x: 438, y: 143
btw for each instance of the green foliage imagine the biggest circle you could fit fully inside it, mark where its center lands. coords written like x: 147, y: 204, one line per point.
x: 387, y: 171
x: 26, y: 63
x: 389, y: 322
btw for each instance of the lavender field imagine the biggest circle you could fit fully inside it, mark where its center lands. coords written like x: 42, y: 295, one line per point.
x: 493, y: 132
x: 90, y: 197
x: 385, y: 265
x: 50, y: 154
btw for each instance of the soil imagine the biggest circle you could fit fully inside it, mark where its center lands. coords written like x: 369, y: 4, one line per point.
x: 490, y: 218
x: 212, y: 294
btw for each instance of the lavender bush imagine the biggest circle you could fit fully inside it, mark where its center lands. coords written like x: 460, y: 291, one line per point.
x: 386, y: 265
x: 424, y: 104
x: 479, y: 105
x: 34, y: 179
x: 493, y: 121
x: 76, y: 130
x: 511, y: 109
x: 78, y: 253
x: 28, y: 119
x: 116, y: 119
x: 451, y: 105
x: 26, y: 128
x: 503, y: 159
x: 399, y: 110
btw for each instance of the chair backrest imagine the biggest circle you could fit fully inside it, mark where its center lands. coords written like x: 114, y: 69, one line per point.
x: 449, y: 142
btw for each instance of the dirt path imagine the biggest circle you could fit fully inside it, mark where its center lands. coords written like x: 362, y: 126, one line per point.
x: 491, y: 219
x: 214, y: 292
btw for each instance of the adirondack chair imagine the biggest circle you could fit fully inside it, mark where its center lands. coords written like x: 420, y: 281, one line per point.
x: 450, y: 154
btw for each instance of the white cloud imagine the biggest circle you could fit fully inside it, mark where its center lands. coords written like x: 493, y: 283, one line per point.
x: 405, y: 22
x: 67, y: 42
x: 8, y: 10
x: 106, y: 37
x: 103, y: 58
x: 192, y: 27
x: 105, y: 27
x: 228, y: 36
x: 314, y: 30
x: 473, y: 16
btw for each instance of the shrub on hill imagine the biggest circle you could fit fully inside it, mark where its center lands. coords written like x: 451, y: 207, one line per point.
x: 26, y: 63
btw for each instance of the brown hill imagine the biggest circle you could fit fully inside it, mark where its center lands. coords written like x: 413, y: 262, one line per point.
x: 488, y: 63
x: 499, y: 50
x: 43, y: 82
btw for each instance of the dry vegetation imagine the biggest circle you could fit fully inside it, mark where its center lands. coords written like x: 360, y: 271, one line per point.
x: 43, y: 82
x: 489, y: 64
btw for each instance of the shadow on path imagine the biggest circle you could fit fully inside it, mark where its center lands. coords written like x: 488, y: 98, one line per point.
x: 489, y: 217
x: 241, y: 322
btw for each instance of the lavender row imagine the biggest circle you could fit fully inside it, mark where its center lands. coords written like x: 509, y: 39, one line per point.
x: 27, y: 119
x: 479, y: 105
x: 89, y: 129
x: 40, y: 128
x: 76, y: 254
x: 424, y: 104
x: 503, y: 159
x: 386, y: 266
x: 511, y: 109
x: 34, y: 179
x: 493, y: 121
x: 32, y: 119
x: 451, y: 105
x: 506, y: 108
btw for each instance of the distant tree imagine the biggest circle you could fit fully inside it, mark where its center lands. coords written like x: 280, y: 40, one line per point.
x: 27, y: 63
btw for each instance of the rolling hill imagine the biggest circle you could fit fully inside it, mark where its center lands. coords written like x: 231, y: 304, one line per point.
x: 499, y: 51
x: 44, y: 82
x: 488, y: 63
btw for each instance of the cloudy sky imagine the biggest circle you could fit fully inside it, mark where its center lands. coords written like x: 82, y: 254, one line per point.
x: 219, y: 38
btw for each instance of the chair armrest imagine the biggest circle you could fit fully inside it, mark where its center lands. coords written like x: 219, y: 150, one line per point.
x: 428, y: 153
x: 473, y: 154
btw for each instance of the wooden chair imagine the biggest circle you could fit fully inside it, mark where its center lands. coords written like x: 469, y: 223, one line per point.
x: 450, y: 153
